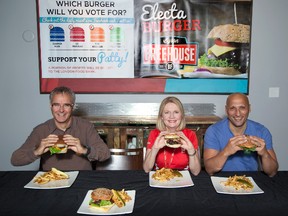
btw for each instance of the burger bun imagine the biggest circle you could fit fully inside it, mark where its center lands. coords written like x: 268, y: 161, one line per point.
x: 60, y: 147
x: 222, y: 70
x: 248, y: 146
x: 237, y: 33
x: 105, y: 208
x: 99, y: 194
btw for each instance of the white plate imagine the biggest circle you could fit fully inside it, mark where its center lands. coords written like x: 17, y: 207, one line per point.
x: 220, y: 188
x: 176, y: 182
x: 53, y: 184
x: 115, y: 210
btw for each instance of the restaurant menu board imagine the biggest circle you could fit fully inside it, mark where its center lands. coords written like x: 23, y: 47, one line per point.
x: 126, y: 46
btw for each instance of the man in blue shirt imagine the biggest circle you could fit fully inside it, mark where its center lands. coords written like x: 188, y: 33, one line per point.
x: 222, y: 140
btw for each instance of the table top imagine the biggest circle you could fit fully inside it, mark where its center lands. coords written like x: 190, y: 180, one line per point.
x: 200, y: 199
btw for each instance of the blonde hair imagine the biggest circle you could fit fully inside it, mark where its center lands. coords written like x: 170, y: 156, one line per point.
x: 160, y: 125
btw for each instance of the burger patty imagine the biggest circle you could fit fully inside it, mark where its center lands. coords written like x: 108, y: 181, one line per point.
x: 239, y: 58
x: 173, y: 141
x: 101, y: 194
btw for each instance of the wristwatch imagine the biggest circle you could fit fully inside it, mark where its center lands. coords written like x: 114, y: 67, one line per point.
x: 88, y: 151
x: 195, y: 151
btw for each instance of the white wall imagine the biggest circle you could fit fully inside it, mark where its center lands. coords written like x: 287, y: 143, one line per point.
x: 23, y: 107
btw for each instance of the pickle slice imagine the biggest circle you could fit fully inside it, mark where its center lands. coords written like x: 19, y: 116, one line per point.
x: 243, y: 181
x: 177, y: 173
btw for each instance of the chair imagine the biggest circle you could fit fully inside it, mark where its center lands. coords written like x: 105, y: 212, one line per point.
x: 123, y: 159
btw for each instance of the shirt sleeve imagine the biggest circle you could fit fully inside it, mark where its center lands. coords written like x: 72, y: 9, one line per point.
x: 191, y: 135
x: 267, y: 136
x: 259, y: 130
x: 210, y: 139
x: 24, y: 155
x: 152, y: 137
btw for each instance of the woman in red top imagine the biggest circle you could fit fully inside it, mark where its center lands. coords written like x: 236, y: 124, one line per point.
x: 171, y: 119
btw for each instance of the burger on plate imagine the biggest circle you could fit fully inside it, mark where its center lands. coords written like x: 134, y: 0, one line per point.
x: 172, y: 140
x: 230, y: 53
x: 101, y: 199
x: 60, y: 147
x: 248, y: 146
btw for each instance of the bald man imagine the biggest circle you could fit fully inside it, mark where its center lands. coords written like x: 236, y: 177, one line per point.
x: 222, y: 140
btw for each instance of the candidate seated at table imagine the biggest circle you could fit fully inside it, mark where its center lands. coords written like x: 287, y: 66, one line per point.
x: 171, y: 119
x: 224, y: 148
x: 83, y: 143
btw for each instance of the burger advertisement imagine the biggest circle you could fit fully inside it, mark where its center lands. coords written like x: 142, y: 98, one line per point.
x: 163, y: 46
x: 195, y: 44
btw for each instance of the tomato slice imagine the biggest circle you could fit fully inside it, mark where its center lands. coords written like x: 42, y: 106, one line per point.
x: 219, y: 42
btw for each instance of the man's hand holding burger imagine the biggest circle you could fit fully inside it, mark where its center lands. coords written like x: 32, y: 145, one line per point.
x: 233, y: 145
x: 74, y: 144
x: 71, y: 142
x: 259, y: 143
x: 45, y: 144
x: 244, y: 143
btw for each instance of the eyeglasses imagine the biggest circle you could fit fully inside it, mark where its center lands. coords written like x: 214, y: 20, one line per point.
x: 64, y: 106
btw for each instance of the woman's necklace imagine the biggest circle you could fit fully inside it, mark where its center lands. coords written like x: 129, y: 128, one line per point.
x: 171, y: 159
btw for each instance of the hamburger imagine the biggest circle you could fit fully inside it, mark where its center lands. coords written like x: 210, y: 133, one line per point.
x: 230, y: 53
x: 172, y: 140
x: 248, y: 146
x: 101, y: 199
x: 60, y: 147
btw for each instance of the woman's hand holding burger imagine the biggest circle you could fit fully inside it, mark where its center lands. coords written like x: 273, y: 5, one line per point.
x: 160, y: 140
x: 186, y: 143
x: 174, y: 140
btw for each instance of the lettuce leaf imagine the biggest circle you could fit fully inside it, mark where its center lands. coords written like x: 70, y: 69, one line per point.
x: 100, y: 203
x: 248, y: 150
x: 54, y: 150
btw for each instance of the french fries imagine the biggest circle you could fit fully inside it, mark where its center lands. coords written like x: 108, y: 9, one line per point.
x: 52, y: 175
x: 165, y: 174
x: 239, y: 182
x: 120, y: 198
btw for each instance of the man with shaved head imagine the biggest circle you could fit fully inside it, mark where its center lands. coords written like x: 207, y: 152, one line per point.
x: 222, y: 141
